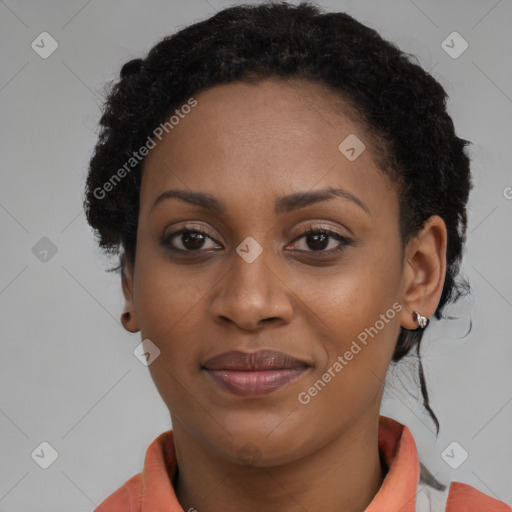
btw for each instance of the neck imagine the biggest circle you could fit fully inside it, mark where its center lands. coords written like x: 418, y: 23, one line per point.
x: 344, y: 475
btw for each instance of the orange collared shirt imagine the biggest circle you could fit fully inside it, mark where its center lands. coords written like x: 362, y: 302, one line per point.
x: 401, y: 491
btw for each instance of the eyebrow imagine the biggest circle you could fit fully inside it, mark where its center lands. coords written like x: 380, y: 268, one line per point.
x: 284, y: 204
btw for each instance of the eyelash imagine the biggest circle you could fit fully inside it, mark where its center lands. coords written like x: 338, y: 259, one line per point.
x: 166, y: 241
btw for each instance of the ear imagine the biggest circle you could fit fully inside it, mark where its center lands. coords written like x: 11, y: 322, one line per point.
x: 424, y: 272
x: 129, y: 315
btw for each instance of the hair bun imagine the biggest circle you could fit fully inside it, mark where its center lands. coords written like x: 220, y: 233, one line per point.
x: 131, y: 67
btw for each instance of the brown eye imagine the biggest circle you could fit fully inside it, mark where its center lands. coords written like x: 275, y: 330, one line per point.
x: 318, y: 240
x: 187, y: 240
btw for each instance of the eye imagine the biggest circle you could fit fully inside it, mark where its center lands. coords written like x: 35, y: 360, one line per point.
x: 187, y: 240
x: 316, y: 240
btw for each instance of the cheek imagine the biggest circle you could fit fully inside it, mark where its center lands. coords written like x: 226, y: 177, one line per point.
x: 164, y: 292
x: 351, y: 299
x: 355, y: 314
x: 168, y: 302
x: 168, y: 306
x: 358, y: 326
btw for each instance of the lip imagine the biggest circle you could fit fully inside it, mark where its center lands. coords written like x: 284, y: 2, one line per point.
x: 255, y: 373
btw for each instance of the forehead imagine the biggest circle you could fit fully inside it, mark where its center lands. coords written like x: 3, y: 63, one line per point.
x: 272, y: 136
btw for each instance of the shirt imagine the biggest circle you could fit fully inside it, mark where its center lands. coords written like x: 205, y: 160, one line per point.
x: 404, y: 489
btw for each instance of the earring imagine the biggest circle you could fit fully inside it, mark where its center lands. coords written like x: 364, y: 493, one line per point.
x: 422, y: 321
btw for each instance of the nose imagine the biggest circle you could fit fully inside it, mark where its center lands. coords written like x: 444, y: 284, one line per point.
x: 251, y: 295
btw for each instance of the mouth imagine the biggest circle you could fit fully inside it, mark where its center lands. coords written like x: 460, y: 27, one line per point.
x: 254, y: 374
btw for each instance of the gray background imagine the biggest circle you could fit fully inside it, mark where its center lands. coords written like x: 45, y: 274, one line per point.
x: 68, y: 373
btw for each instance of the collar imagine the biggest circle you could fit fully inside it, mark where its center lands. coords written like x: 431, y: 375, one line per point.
x: 397, y: 493
x: 398, y: 450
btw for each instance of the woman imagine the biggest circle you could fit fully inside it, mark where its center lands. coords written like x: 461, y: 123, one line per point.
x: 287, y: 196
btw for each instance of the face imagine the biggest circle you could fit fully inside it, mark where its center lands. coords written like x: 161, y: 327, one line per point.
x: 272, y: 261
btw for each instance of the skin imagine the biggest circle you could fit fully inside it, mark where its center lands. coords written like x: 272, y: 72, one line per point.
x: 246, y: 145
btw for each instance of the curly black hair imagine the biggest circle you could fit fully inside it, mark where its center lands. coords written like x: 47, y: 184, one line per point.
x: 401, y: 105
